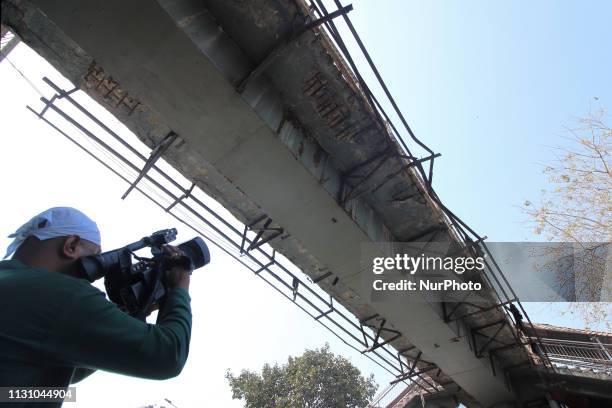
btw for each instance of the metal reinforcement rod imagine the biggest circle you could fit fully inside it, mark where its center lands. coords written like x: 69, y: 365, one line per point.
x: 462, y: 228
x: 383, y: 356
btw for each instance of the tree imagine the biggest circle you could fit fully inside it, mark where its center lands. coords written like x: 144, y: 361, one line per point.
x: 318, y: 378
x: 578, y: 209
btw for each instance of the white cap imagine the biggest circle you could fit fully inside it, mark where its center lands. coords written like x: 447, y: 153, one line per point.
x: 56, y: 222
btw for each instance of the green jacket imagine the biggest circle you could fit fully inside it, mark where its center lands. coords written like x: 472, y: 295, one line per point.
x: 56, y: 329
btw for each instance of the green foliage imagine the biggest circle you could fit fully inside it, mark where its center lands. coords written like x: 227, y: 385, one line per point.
x: 316, y: 379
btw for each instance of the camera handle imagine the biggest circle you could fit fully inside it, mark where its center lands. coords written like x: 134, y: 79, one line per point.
x: 161, y: 263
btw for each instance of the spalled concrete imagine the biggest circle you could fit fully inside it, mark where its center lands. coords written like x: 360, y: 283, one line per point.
x: 281, y: 147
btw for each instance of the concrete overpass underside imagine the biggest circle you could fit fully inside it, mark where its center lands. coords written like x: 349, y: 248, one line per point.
x: 272, y: 122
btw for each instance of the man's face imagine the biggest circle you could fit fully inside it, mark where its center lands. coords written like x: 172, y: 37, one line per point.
x: 88, y: 248
x: 55, y: 254
x: 72, y: 249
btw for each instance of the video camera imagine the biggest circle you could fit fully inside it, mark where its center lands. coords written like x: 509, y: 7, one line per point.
x: 135, y: 287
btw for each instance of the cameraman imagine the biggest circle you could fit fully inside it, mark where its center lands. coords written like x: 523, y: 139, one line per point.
x: 56, y: 328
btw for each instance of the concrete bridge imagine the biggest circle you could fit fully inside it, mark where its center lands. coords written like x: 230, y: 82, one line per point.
x: 254, y: 103
x: 583, y: 371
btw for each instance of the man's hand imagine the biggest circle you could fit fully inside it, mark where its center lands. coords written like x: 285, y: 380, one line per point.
x: 177, y: 277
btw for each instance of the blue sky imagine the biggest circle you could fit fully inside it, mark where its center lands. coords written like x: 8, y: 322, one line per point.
x: 490, y: 85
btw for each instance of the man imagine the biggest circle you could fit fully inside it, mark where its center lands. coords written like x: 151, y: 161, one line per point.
x: 56, y: 328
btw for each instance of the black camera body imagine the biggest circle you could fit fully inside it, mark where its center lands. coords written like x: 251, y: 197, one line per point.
x: 135, y: 287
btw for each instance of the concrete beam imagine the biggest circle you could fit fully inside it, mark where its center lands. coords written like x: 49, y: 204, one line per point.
x: 184, y: 77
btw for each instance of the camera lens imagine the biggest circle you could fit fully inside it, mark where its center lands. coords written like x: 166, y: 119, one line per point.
x: 197, y: 251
